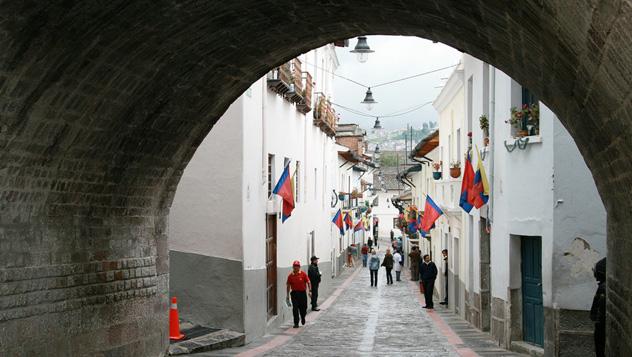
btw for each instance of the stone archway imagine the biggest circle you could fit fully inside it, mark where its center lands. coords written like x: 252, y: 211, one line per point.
x: 102, y: 105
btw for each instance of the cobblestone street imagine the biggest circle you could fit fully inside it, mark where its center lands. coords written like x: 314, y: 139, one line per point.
x: 385, y: 321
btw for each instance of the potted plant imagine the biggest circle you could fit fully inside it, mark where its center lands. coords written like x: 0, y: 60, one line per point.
x: 437, y: 170
x: 484, y: 123
x: 526, y: 120
x: 455, y: 169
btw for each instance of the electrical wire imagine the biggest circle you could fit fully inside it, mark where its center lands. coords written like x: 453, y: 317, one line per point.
x: 413, y: 76
x: 391, y: 115
x: 380, y: 84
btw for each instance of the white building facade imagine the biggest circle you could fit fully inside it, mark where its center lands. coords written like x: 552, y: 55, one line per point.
x: 521, y: 266
x: 230, y: 252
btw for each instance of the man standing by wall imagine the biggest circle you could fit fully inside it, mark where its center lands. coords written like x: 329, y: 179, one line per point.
x: 428, y: 274
x: 415, y: 259
x: 598, y: 309
x: 299, y: 285
x: 314, y: 278
x: 445, y: 275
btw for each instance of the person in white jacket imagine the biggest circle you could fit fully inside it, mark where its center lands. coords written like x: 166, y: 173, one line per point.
x: 397, y: 265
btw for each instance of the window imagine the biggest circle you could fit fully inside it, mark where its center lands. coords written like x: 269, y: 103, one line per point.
x: 531, y: 124
x: 270, y: 174
x: 458, y: 144
x: 315, y: 184
x: 470, y: 106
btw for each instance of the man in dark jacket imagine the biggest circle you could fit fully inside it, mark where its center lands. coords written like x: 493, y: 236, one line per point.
x: 598, y: 309
x: 415, y: 263
x: 314, y: 276
x: 428, y: 274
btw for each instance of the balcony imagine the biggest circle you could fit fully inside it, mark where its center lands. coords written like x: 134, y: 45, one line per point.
x: 280, y: 79
x: 325, y: 117
x: 305, y: 104
x: 295, y: 94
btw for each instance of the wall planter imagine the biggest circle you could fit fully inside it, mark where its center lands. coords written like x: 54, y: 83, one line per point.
x: 522, y: 133
x: 455, y: 172
x: 436, y: 175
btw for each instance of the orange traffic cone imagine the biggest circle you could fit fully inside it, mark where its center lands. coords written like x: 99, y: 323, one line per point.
x: 174, y: 321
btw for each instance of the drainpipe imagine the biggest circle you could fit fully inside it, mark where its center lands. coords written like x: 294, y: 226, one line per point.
x: 264, y: 154
x: 492, y: 134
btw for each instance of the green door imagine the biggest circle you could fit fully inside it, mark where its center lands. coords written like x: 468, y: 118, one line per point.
x: 532, y: 311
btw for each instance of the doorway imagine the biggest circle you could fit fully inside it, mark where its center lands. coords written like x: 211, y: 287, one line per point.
x: 531, y: 272
x: 271, y: 264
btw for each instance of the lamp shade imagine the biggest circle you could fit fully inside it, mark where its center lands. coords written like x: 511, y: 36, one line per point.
x: 362, y: 49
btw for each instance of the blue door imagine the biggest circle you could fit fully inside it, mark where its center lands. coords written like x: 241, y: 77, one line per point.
x: 532, y: 311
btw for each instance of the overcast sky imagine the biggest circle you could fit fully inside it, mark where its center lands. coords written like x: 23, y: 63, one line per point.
x: 395, y: 57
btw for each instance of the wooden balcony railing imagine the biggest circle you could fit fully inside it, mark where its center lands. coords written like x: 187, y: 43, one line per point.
x: 305, y: 105
x: 295, y: 94
x: 325, y: 117
x: 280, y: 79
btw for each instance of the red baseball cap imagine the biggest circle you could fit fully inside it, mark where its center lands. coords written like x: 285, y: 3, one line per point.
x: 296, y: 263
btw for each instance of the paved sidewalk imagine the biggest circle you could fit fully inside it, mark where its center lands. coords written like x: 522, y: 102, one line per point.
x: 382, y: 321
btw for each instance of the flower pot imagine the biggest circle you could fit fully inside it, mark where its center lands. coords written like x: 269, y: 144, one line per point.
x: 486, y: 141
x: 455, y: 172
x: 436, y: 175
x: 522, y: 133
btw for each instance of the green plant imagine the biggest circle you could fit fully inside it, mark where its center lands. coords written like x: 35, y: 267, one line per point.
x: 484, y: 122
x: 527, y: 114
x: 455, y: 165
x: 436, y: 166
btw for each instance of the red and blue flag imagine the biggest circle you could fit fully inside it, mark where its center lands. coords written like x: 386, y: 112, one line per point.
x: 284, y: 189
x: 337, y: 220
x: 359, y: 226
x: 348, y: 221
x: 480, y: 187
x: 467, y: 186
x: 432, y: 212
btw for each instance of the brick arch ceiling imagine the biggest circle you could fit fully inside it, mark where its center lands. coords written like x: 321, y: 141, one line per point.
x: 102, y: 105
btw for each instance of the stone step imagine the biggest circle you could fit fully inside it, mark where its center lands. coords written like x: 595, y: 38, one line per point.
x: 211, y: 341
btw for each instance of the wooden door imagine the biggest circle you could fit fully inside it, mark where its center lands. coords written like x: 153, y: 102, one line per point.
x: 532, y: 311
x: 271, y: 264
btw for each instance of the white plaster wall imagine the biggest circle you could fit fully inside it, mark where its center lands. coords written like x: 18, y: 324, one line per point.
x: 579, y: 226
x: 210, y: 192
x: 385, y: 211
x: 523, y: 194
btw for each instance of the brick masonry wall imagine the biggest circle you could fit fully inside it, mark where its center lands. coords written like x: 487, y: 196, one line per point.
x: 102, y: 105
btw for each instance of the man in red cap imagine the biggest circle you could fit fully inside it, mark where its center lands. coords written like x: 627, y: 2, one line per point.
x: 298, y: 283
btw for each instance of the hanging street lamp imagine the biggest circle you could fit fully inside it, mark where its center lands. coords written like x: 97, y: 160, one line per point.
x: 377, y: 126
x: 369, y: 101
x: 362, y: 49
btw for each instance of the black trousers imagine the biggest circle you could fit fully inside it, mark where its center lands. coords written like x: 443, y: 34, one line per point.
x: 389, y: 276
x: 600, y: 339
x: 428, y: 291
x: 314, y: 295
x: 299, y: 305
x: 446, y: 290
x: 373, y: 277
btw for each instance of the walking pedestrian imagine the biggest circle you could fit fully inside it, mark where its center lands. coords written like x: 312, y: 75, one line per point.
x: 370, y: 243
x: 445, y: 275
x: 365, y: 254
x: 299, y: 285
x: 428, y: 274
x: 314, y: 278
x: 387, y: 263
x: 598, y: 309
x: 374, y: 266
x: 397, y: 265
x: 415, y: 259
